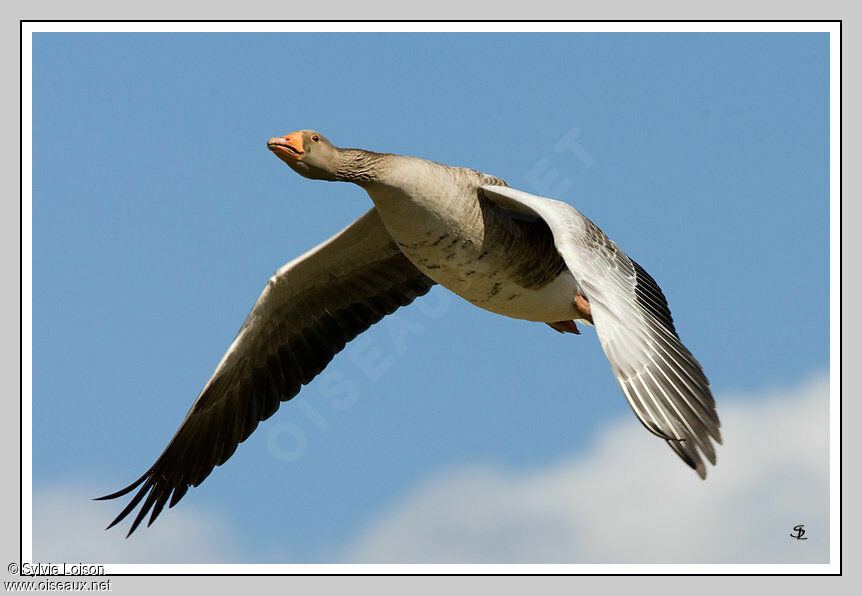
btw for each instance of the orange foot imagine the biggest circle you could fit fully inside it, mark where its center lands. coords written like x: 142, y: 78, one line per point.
x: 564, y: 327
x: 583, y: 306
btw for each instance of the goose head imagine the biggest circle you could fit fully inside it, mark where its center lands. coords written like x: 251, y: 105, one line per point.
x: 308, y: 153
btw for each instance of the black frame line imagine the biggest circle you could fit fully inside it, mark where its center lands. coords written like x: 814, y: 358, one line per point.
x: 840, y: 22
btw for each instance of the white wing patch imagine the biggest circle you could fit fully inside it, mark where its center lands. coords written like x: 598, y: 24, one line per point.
x: 661, y: 380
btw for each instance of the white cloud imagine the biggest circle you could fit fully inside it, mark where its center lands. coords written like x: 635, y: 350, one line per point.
x: 68, y: 526
x: 630, y: 500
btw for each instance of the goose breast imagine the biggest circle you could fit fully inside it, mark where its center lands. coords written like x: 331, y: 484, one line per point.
x: 495, y: 259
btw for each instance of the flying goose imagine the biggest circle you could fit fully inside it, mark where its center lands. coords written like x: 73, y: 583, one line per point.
x: 502, y: 249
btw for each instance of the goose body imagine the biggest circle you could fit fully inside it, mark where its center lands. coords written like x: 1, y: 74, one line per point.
x: 455, y: 236
x: 503, y: 250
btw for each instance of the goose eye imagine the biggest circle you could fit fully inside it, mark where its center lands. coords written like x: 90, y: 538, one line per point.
x: 315, y: 138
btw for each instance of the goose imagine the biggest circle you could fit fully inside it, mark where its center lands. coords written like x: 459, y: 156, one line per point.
x: 504, y: 250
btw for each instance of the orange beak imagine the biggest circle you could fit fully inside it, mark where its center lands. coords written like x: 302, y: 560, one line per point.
x: 288, y: 147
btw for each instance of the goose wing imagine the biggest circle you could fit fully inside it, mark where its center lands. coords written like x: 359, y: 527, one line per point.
x: 662, y: 381
x: 306, y: 314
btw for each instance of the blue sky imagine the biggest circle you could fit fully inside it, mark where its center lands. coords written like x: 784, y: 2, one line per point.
x: 159, y: 214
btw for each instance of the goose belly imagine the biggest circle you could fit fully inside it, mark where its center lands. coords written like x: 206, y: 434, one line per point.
x: 487, y: 281
x: 473, y: 248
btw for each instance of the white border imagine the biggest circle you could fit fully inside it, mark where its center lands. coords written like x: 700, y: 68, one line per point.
x: 834, y: 289
x: 428, y: 27
x: 835, y: 158
x: 26, y: 295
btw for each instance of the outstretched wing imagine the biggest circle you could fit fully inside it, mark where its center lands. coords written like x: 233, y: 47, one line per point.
x: 660, y: 378
x: 306, y: 314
